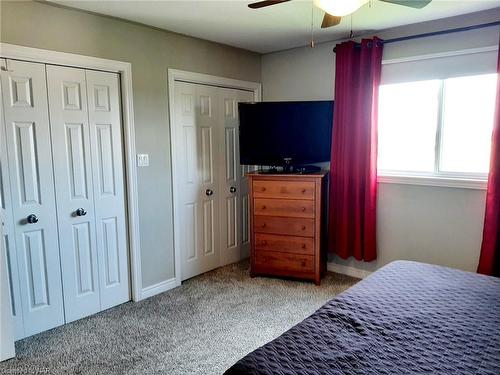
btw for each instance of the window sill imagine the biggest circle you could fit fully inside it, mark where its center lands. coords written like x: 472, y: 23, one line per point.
x: 462, y: 183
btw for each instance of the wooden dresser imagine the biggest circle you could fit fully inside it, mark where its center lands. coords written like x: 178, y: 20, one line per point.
x: 286, y: 224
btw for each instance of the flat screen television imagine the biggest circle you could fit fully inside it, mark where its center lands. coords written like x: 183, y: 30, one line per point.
x: 285, y: 133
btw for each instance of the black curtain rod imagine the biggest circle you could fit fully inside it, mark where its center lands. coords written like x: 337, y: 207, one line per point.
x: 442, y: 32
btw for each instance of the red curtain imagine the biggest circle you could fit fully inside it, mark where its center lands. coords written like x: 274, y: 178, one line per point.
x: 353, y: 167
x: 489, y: 262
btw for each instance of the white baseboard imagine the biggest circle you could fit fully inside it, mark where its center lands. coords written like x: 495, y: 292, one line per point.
x: 349, y: 271
x: 161, y: 287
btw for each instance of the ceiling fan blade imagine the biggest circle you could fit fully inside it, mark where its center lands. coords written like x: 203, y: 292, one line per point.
x: 417, y: 4
x: 329, y: 21
x: 262, y: 4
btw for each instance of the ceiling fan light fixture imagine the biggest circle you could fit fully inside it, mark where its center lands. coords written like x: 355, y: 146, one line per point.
x: 340, y: 8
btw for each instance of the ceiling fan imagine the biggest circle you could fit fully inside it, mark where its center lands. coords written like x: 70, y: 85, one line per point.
x: 336, y: 9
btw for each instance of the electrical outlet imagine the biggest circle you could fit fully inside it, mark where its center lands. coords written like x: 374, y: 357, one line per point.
x: 142, y: 160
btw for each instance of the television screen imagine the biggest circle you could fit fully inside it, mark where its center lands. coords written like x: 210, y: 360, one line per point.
x: 272, y: 132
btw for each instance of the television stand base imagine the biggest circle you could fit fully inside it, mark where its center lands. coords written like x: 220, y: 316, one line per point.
x: 291, y: 169
x: 306, y: 169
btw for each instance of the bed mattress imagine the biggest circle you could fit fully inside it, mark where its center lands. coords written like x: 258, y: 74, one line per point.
x: 406, y: 318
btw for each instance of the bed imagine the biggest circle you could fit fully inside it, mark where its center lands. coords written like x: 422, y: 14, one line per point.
x: 406, y: 318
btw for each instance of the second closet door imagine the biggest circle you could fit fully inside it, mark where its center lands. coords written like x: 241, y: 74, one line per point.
x: 212, y: 198
x: 197, y: 135
x: 233, y: 189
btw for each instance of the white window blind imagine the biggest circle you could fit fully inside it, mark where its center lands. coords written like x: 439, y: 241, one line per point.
x: 440, y: 66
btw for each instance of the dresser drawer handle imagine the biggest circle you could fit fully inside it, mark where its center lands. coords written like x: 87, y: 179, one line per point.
x: 303, y: 263
x: 263, y: 207
x: 264, y: 225
x: 304, y: 246
x: 303, y: 191
x: 264, y: 242
x: 303, y: 209
x: 303, y: 227
x: 263, y: 189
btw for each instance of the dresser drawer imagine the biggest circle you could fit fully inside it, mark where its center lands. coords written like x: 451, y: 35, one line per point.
x: 284, y: 225
x: 284, y: 262
x: 284, y: 207
x: 284, y: 189
x: 284, y: 244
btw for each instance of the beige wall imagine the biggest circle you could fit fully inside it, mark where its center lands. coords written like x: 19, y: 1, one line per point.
x: 428, y: 224
x: 151, y: 53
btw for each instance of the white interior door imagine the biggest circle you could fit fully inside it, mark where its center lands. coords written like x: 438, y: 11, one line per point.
x: 244, y: 192
x: 32, y: 188
x: 88, y: 161
x: 8, y: 240
x: 103, y: 91
x: 7, y: 306
x: 7, y: 349
x: 210, y: 194
x: 234, y: 192
x: 70, y: 135
x: 61, y: 143
x: 196, y: 142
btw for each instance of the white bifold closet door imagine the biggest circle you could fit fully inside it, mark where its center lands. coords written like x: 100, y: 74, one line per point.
x: 64, y: 208
x: 233, y: 181
x: 7, y: 222
x: 196, y: 136
x: 70, y: 134
x: 85, y: 129
x: 103, y: 90
x: 34, y: 240
x: 209, y: 180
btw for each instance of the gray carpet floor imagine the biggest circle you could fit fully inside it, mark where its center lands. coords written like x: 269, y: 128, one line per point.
x: 201, y: 327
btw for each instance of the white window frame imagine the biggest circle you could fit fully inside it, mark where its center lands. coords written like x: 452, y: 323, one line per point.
x: 408, y: 178
x: 437, y: 178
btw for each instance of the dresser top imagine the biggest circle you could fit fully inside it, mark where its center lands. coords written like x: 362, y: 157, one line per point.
x: 318, y: 174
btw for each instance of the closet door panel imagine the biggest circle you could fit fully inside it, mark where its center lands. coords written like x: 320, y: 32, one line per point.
x: 198, y: 136
x: 234, y: 195
x: 109, y: 195
x: 32, y: 192
x: 7, y: 222
x: 244, y: 96
x: 70, y: 135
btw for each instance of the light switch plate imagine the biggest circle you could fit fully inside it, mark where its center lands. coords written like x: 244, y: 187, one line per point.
x: 142, y: 160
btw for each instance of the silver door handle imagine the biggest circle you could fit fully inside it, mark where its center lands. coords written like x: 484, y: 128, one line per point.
x: 32, y: 219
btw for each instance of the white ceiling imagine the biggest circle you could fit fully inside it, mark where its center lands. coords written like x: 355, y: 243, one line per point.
x: 275, y: 28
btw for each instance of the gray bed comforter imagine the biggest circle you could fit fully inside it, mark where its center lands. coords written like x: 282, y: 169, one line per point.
x: 406, y: 318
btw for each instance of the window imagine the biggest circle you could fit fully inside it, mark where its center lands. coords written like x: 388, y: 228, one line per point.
x: 437, y: 128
